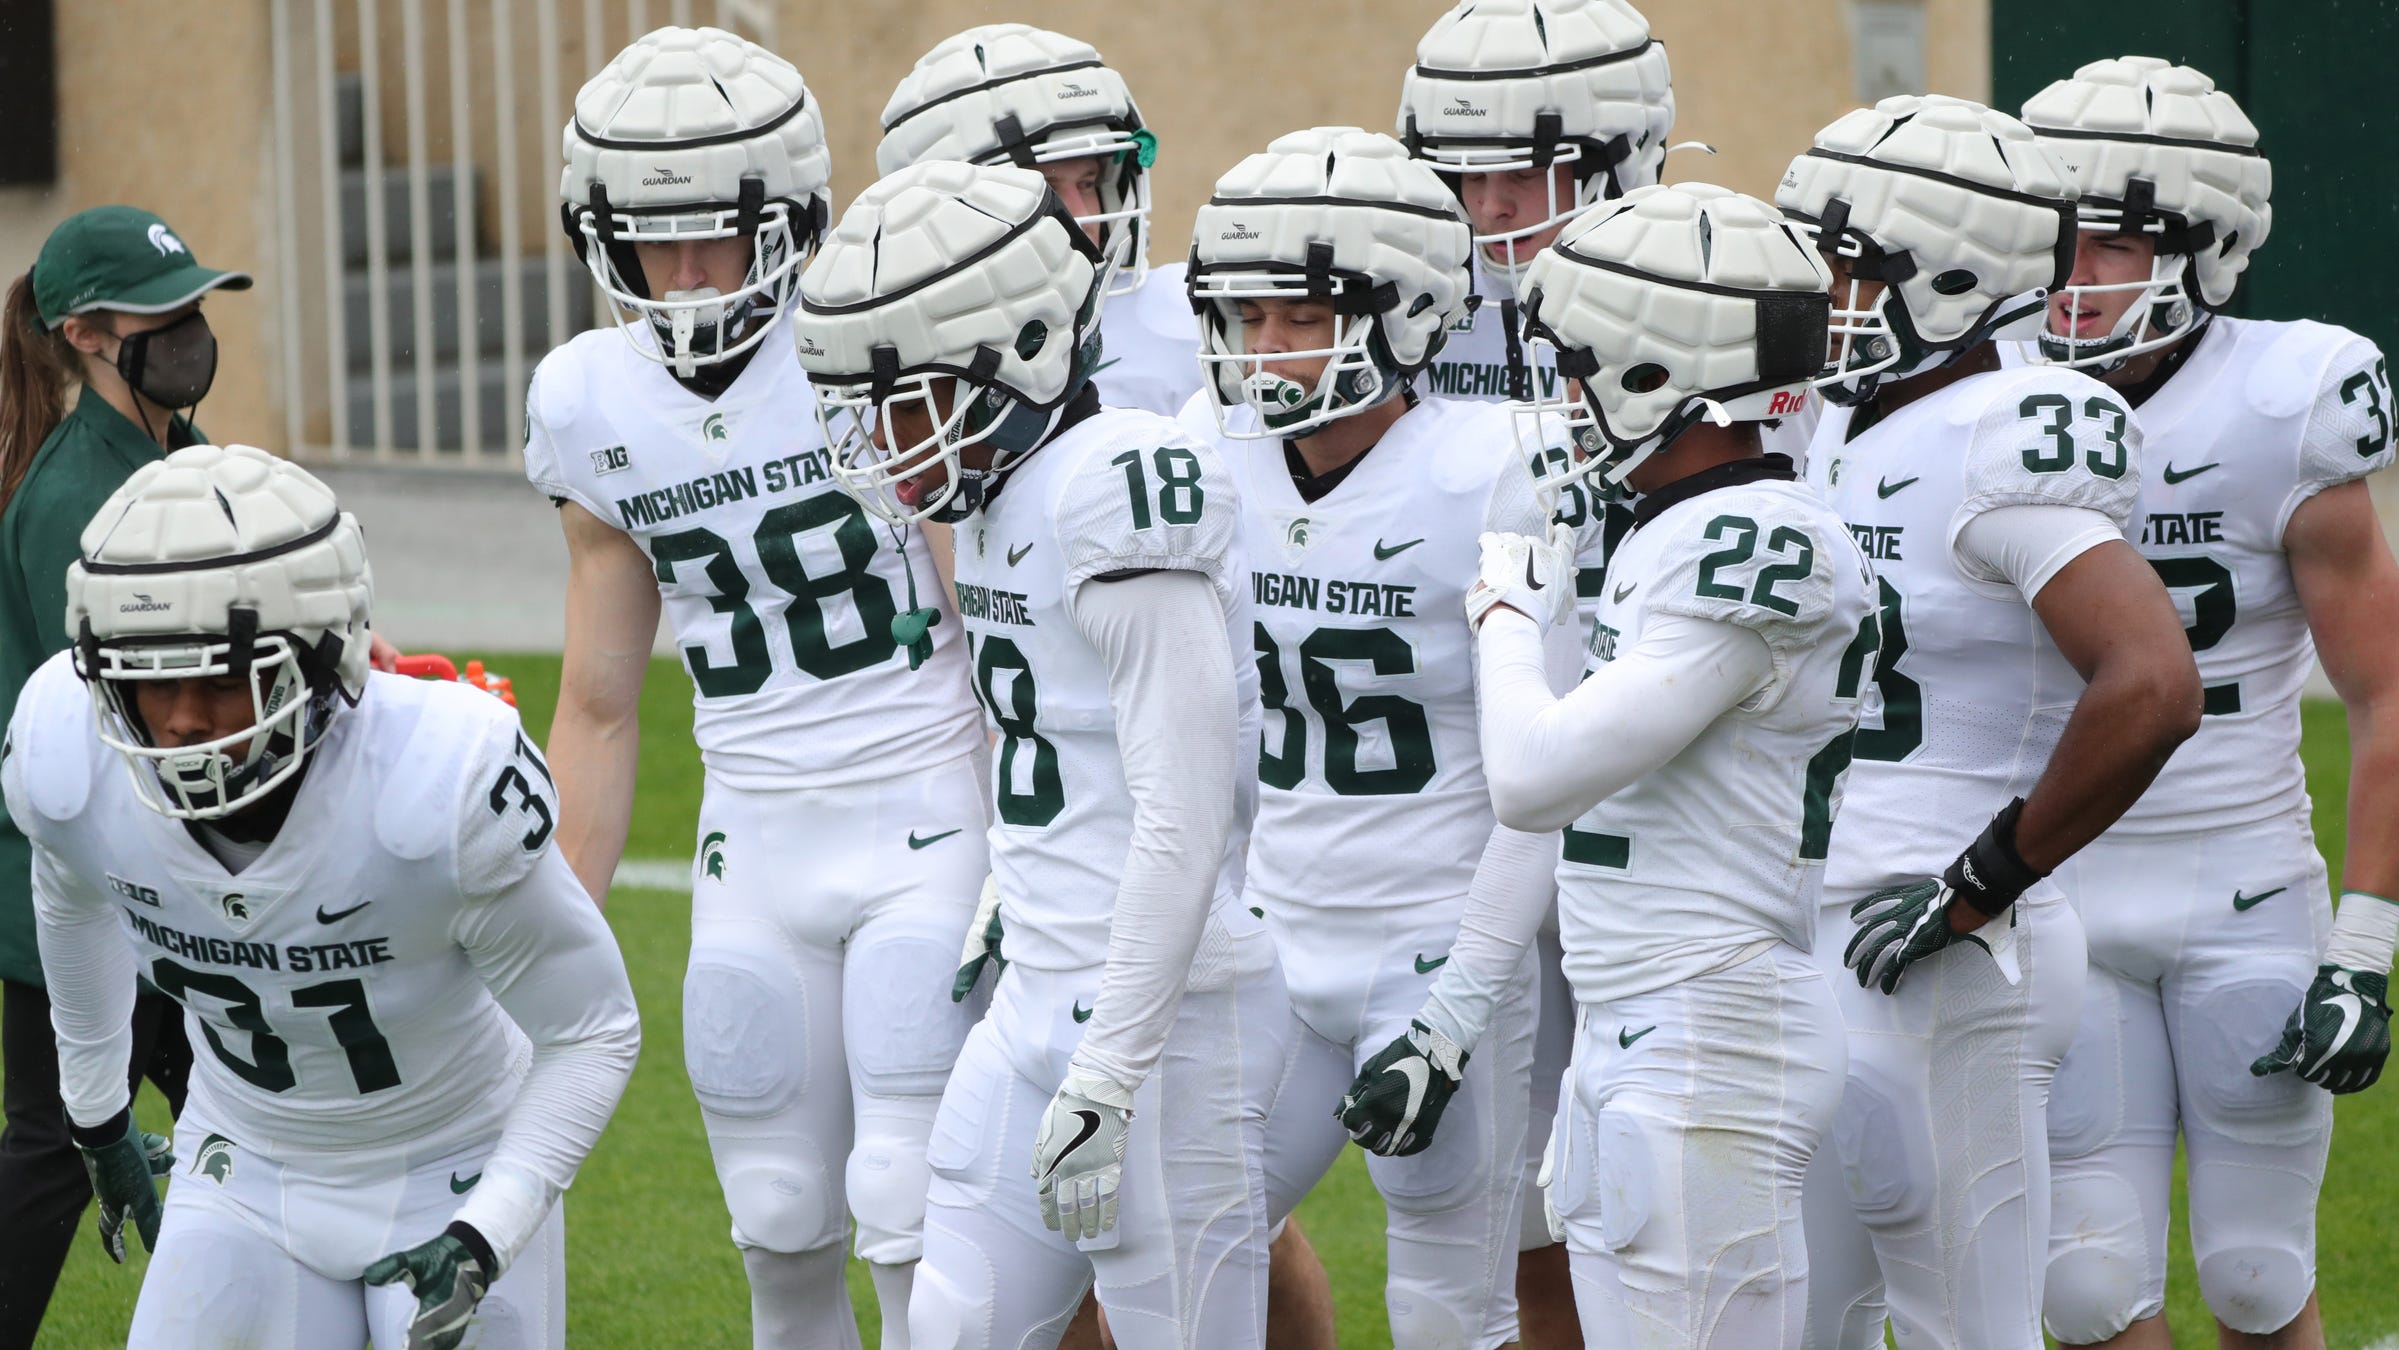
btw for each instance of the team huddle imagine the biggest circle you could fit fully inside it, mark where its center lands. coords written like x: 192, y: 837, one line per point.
x: 1746, y: 753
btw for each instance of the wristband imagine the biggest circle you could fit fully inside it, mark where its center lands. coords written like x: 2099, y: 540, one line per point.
x: 1990, y: 874
x: 2364, y: 931
x: 103, y: 1134
x: 475, y: 1247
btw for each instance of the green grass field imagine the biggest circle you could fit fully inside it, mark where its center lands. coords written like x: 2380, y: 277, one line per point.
x: 650, y: 1265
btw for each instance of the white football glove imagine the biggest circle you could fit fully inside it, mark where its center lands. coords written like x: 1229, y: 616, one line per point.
x: 982, y: 944
x: 1079, y: 1155
x: 1533, y: 576
x: 1547, y: 1180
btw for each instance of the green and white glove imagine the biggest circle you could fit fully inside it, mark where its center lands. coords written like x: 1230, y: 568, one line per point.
x: 982, y: 944
x: 124, y: 1163
x: 448, y: 1276
x: 2340, y: 1034
x: 1899, y: 926
x: 1396, y: 1102
x: 1079, y: 1155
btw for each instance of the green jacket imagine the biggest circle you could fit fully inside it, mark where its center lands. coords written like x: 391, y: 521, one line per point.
x: 88, y: 456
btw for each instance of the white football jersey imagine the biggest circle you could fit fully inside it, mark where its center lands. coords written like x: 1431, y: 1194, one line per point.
x: 1121, y: 490
x: 1371, y: 777
x: 779, y: 587
x: 331, y: 986
x: 1683, y: 872
x: 1970, y: 692
x: 2261, y: 417
x: 1473, y: 360
x: 1149, y: 345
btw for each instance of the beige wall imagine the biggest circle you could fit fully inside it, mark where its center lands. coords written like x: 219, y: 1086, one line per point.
x: 168, y: 104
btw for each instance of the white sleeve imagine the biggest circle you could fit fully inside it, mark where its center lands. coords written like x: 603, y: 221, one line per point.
x: 1550, y: 759
x: 2025, y: 546
x: 1511, y: 893
x: 90, y: 970
x: 551, y: 962
x: 1171, y: 686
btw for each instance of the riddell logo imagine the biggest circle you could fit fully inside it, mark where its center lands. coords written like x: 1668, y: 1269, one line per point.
x: 1070, y: 89
x: 1239, y: 231
x: 666, y: 178
x: 1460, y: 107
x: 1787, y: 402
x: 143, y: 604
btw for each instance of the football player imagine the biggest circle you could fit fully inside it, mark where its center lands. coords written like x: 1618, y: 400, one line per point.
x: 1696, y: 773
x: 1535, y: 111
x: 1007, y: 93
x: 2206, y: 908
x: 1105, y: 1121
x: 840, y: 836
x: 2032, y: 679
x: 1326, y: 272
x: 416, y: 1022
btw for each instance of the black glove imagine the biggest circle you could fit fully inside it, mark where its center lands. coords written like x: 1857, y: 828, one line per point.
x: 1901, y: 925
x: 1396, y: 1103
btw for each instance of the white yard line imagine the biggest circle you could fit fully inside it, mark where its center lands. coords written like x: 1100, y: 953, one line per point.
x: 654, y: 874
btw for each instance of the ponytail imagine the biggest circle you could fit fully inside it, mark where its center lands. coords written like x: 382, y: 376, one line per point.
x: 36, y: 366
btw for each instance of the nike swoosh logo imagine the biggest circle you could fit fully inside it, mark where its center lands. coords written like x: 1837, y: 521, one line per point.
x: 1531, y: 581
x: 458, y: 1187
x: 1090, y: 1126
x: 1381, y: 553
x: 914, y: 842
x: 1884, y: 488
x: 2240, y: 901
x: 1105, y: 364
x: 1625, y: 1036
x: 1082, y: 1014
x: 2351, y: 1010
x: 1625, y: 590
x: 340, y: 914
x: 1017, y: 555
x: 1420, y: 1076
x: 2173, y: 475
x: 1424, y: 967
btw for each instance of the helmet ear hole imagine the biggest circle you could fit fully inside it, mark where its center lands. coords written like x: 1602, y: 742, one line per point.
x: 1031, y: 338
x: 1645, y: 378
x: 1955, y: 281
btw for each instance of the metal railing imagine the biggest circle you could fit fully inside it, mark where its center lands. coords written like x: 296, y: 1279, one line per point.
x: 359, y: 387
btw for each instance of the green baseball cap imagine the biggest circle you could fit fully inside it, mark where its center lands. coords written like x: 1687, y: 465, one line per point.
x: 119, y: 257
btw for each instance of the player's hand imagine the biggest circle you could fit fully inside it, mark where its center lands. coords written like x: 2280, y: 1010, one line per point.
x: 982, y: 944
x: 1396, y: 1103
x: 124, y: 1172
x: 1547, y: 1180
x: 381, y: 654
x: 1901, y: 925
x: 1533, y: 576
x: 448, y: 1276
x: 2339, y: 1035
x: 1079, y: 1155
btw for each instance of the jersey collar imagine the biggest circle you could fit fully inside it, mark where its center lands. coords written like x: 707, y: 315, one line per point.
x: 1763, y: 469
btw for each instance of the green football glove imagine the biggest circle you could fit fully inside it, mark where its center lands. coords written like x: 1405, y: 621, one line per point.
x: 1396, y: 1102
x: 982, y: 944
x: 2340, y: 1033
x: 448, y: 1276
x: 123, y: 1163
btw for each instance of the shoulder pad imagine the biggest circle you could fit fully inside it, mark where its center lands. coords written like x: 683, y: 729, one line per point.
x: 2350, y: 430
x: 53, y: 744
x: 2291, y: 365
x: 1174, y: 507
x: 416, y: 752
x: 2046, y: 435
x: 1756, y: 558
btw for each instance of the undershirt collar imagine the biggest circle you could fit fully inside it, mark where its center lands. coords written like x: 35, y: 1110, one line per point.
x: 1761, y: 469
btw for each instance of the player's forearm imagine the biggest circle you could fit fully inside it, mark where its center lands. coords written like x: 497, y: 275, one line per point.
x: 2371, y: 863
x: 553, y: 966
x: 595, y: 756
x: 90, y: 973
x: 2137, y: 708
x: 1171, y: 687
x: 1513, y: 886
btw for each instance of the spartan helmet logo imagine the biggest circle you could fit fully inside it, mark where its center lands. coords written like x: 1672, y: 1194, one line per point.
x: 714, y: 428
x: 712, y: 855
x: 237, y: 906
x: 215, y: 1160
x: 164, y: 240
x: 1296, y: 536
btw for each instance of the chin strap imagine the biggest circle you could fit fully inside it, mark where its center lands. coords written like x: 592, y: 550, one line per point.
x: 912, y: 627
x: 1520, y: 380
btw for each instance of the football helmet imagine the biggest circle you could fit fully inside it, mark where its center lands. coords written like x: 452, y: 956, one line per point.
x: 1335, y: 214
x: 962, y: 297
x: 2157, y: 149
x: 1672, y: 304
x: 1964, y: 219
x: 221, y: 561
x: 1009, y: 93
x: 695, y: 133
x: 1505, y: 85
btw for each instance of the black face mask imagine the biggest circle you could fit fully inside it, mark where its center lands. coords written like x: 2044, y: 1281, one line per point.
x: 171, y: 366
